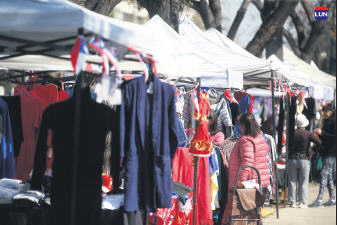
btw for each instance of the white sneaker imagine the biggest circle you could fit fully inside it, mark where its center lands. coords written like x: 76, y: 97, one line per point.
x: 293, y: 205
x: 303, y: 206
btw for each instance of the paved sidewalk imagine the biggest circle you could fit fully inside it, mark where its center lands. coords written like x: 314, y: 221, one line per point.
x: 309, y: 216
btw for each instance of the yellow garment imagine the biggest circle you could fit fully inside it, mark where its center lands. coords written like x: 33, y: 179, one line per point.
x: 299, y: 107
x: 214, y: 191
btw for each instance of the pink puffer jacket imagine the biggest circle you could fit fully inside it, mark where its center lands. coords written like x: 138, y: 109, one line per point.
x: 249, y: 151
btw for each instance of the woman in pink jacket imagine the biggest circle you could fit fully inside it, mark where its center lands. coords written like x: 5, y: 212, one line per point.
x: 250, y: 149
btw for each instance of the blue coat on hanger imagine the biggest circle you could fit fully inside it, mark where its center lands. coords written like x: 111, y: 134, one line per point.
x: 148, y: 143
x: 7, y: 165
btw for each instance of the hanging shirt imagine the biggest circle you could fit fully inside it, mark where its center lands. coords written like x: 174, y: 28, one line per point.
x: 48, y: 93
x: 95, y: 121
x: 14, y: 107
x: 7, y: 165
x: 32, y: 108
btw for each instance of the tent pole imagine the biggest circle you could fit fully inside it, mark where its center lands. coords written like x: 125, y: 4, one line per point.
x: 195, y: 174
x: 274, y: 135
x: 288, y: 99
x: 77, y: 114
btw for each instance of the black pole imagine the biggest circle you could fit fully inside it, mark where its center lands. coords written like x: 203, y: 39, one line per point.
x: 288, y: 99
x: 195, y: 188
x: 195, y: 174
x: 77, y: 114
x: 274, y: 135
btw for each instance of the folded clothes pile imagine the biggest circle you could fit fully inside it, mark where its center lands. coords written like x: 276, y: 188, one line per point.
x: 113, y: 202
x: 29, y: 198
x: 8, y: 189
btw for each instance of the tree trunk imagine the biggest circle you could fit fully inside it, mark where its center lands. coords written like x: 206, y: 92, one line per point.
x: 215, y: 6
x: 308, y: 10
x: 269, y: 28
x: 238, y: 19
x: 174, y: 14
x: 161, y: 8
x: 100, y: 6
x: 314, y: 40
x: 292, y: 43
x: 275, y: 46
x: 299, y: 28
x: 168, y: 10
x: 258, y: 4
x: 206, y: 14
x: 210, y: 13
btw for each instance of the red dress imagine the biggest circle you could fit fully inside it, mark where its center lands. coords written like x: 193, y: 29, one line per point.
x: 201, y: 144
x: 182, y: 171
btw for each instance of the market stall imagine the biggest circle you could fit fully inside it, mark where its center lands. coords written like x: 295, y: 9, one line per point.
x: 213, y: 73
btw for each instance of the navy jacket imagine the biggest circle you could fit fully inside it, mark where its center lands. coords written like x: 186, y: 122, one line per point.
x: 7, y: 165
x: 148, y: 143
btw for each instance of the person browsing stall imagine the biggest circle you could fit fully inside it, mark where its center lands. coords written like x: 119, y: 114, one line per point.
x: 299, y: 162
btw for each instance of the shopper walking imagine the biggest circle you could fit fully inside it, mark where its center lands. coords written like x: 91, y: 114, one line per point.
x: 250, y: 149
x: 299, y: 162
x: 328, y: 152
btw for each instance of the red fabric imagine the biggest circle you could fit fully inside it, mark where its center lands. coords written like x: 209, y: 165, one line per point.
x: 249, y: 151
x: 178, y: 214
x: 201, y: 143
x: 228, y: 95
x: 89, y: 68
x: 182, y: 170
x: 48, y: 93
x: 184, y: 213
x: 32, y: 108
x: 62, y: 95
x: 165, y: 216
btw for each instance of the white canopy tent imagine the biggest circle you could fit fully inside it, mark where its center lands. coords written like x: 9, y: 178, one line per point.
x: 296, y: 71
x: 312, y: 73
x: 50, y: 27
x: 214, y: 74
x: 251, y: 67
x: 221, y: 40
x: 289, y: 72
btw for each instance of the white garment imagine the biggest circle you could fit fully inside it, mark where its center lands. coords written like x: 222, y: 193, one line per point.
x: 112, y: 202
x: 107, y: 91
x: 7, y: 194
x: 10, y: 183
x: 32, y: 196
